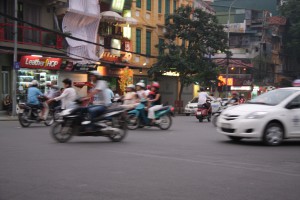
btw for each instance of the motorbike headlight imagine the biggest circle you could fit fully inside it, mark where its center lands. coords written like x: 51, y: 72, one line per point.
x: 256, y: 115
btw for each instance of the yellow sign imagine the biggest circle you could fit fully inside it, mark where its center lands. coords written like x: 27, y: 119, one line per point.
x: 223, y: 81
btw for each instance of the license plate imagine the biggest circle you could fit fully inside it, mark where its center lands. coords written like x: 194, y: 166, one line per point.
x: 199, y: 113
x: 21, y: 110
x: 226, y: 125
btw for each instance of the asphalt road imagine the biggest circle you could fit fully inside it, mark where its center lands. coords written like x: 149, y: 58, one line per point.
x: 189, y: 162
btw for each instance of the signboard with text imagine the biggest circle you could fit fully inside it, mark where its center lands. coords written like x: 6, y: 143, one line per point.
x: 40, y: 62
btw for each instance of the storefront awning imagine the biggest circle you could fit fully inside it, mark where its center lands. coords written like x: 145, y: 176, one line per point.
x: 110, y: 16
x: 120, y: 65
x: 232, y: 63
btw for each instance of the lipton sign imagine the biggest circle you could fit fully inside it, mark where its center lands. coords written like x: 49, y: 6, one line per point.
x: 40, y: 63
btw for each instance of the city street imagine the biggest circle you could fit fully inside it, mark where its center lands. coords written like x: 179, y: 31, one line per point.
x: 191, y: 161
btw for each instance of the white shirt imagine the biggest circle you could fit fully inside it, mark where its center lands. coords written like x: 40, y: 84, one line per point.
x: 141, y: 94
x: 202, y: 97
x: 67, y: 97
x: 102, y: 97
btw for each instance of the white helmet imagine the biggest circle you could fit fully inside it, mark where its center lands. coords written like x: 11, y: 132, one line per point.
x: 34, y: 82
x: 141, y: 84
x: 130, y: 86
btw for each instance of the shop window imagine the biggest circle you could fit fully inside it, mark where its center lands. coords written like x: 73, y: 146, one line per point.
x: 174, y: 6
x: 167, y: 7
x: 149, y: 5
x: 138, y: 41
x: 138, y: 3
x: 159, y: 6
x: 160, y: 42
x: 148, y: 43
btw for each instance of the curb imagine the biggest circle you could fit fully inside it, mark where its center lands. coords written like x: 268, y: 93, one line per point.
x: 8, y: 119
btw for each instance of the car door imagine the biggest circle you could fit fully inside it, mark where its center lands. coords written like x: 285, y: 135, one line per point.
x: 293, y: 115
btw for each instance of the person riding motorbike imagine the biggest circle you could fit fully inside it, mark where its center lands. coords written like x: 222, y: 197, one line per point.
x: 140, y: 90
x: 203, y: 97
x: 130, y: 99
x: 154, y: 100
x: 100, y: 99
x: 234, y: 100
x: 68, y: 95
x: 53, y: 91
x: 242, y: 99
x: 32, y: 98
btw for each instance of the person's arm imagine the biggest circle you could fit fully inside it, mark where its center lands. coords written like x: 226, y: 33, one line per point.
x: 157, y: 96
x: 63, y: 95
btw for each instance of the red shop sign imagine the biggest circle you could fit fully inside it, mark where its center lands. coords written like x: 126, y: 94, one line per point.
x: 40, y: 63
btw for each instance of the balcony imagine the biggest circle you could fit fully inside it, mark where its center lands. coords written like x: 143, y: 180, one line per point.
x: 30, y: 36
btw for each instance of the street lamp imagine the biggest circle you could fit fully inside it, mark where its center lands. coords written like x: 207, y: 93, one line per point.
x: 228, y: 43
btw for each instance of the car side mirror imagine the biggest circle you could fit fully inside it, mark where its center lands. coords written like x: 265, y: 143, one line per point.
x: 293, y: 105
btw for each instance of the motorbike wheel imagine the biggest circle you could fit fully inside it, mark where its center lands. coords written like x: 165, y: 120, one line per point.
x: 119, y: 123
x: 133, y: 122
x: 166, y: 122
x: 23, y: 119
x: 200, y: 119
x: 60, y: 132
x: 50, y: 119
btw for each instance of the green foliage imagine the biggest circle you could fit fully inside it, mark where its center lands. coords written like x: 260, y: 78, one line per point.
x: 291, y: 10
x: 191, y: 35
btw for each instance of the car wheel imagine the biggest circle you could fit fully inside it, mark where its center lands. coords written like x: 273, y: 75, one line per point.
x: 187, y: 114
x: 273, y: 134
x: 235, y: 138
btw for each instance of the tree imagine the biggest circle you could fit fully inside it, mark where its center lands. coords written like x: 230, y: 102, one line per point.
x: 291, y: 10
x: 192, y: 36
x: 126, y: 78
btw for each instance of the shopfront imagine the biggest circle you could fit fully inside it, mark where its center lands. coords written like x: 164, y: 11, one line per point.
x: 42, y: 69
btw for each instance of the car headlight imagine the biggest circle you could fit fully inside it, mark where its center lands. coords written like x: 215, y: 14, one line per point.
x: 256, y: 115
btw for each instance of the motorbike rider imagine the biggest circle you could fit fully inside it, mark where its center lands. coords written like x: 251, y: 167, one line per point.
x: 203, y: 97
x: 100, y: 99
x: 140, y: 90
x: 53, y: 91
x: 242, y: 99
x: 234, y: 100
x: 154, y: 101
x: 130, y: 99
x: 32, y: 98
x: 67, y: 97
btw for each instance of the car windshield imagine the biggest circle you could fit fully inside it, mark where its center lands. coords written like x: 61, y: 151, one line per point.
x: 273, y: 97
x: 194, y: 100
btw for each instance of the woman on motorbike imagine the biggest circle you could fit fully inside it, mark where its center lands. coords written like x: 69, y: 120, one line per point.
x: 130, y: 99
x: 140, y: 90
x: 154, y: 101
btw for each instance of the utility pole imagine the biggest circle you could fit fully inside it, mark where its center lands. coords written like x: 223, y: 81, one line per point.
x: 228, y: 43
x: 14, y: 71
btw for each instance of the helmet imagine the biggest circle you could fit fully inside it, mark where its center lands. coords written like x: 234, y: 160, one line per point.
x: 34, y: 82
x: 242, y: 95
x: 156, y: 85
x: 141, y: 84
x: 148, y: 87
x: 130, y: 86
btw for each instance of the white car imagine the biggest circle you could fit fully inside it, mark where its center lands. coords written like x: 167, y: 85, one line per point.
x: 271, y: 117
x: 192, y: 106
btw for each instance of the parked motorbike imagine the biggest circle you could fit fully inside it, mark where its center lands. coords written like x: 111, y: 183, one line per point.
x: 111, y: 124
x: 137, y: 118
x: 29, y: 114
x: 204, y: 112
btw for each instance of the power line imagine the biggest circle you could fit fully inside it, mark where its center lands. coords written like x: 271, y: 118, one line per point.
x: 69, y: 36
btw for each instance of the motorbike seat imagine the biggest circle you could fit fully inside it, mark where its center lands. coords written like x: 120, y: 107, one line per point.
x: 33, y: 106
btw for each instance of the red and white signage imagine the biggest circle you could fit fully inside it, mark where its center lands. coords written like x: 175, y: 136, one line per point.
x: 40, y: 62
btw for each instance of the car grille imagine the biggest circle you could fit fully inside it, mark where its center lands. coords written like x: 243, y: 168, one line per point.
x: 231, y: 117
x: 228, y: 130
x: 192, y: 107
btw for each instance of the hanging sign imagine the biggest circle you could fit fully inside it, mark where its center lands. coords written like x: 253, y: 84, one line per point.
x: 40, y: 62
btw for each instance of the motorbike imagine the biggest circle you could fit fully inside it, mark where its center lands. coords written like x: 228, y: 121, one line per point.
x: 110, y: 124
x: 137, y: 118
x: 204, y: 112
x: 29, y: 114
